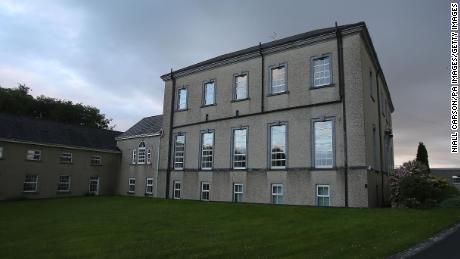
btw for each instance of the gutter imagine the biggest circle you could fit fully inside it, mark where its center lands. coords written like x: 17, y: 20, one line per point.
x: 171, y: 119
x: 342, y: 98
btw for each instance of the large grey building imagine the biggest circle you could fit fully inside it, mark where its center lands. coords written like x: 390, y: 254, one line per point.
x: 301, y: 120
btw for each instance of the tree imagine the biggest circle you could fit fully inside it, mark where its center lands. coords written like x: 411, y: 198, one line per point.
x: 19, y: 102
x: 422, y: 155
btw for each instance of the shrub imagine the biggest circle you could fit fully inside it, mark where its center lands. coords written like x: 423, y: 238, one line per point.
x: 451, y: 202
x: 413, y: 186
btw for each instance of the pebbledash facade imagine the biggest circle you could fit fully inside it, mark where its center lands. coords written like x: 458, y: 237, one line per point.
x: 305, y: 120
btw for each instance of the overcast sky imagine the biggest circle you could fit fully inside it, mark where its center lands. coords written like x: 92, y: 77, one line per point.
x: 110, y: 54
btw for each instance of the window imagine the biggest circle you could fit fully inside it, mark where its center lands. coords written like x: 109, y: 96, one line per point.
x: 208, y: 94
x: 278, y: 78
x: 149, y: 156
x: 204, y: 191
x: 374, y: 145
x: 141, y: 153
x: 322, y: 71
x: 322, y: 195
x: 65, y: 158
x: 241, y: 87
x: 278, y: 152
x: 456, y: 179
x: 277, y: 193
x: 182, y: 99
x: 207, y: 148
x: 1, y: 152
x: 239, y: 148
x: 237, y: 192
x: 371, y: 85
x: 93, y: 185
x: 179, y: 151
x: 131, y: 185
x: 176, y: 185
x: 134, y: 157
x: 31, y: 183
x: 64, y: 183
x: 96, y: 160
x: 149, y: 186
x: 34, y: 155
x: 324, y: 157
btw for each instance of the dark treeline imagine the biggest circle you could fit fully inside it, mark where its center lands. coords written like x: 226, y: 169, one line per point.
x: 18, y: 101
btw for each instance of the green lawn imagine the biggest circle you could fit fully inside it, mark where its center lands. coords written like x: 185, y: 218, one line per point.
x: 125, y: 227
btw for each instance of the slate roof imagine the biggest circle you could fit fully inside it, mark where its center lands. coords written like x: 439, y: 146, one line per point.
x: 146, y: 126
x: 41, y: 131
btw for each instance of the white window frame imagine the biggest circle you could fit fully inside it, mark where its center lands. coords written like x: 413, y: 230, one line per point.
x: 205, y: 93
x: 179, y: 95
x: 285, y: 85
x: 177, y: 190
x: 455, y: 179
x: 205, y: 192
x: 96, y: 160
x: 178, y: 155
x: 328, y: 196
x: 141, y: 153
x: 332, y: 121
x: 238, y: 193
x: 131, y: 184
x: 91, y: 180
x: 237, y: 86
x: 314, y: 72
x: 234, y: 155
x: 276, y: 194
x: 66, y: 158
x: 203, y: 155
x: 62, y: 183
x: 1, y: 152
x: 271, y: 153
x: 34, y: 155
x: 34, y: 183
x: 147, y: 185
x: 149, y: 156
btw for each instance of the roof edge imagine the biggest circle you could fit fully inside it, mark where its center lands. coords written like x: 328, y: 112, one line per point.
x: 19, y: 141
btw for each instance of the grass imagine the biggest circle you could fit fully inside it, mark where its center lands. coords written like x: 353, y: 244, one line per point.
x: 126, y: 227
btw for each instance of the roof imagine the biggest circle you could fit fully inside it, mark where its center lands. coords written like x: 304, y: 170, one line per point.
x: 145, y: 127
x: 26, y: 129
x: 297, y: 37
x: 256, y: 50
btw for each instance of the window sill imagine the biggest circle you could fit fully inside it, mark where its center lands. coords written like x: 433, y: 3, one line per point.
x: 181, y: 110
x: 66, y: 163
x: 29, y: 191
x: 277, y: 169
x: 208, y: 105
x: 62, y: 192
x: 96, y: 165
x: 36, y: 161
x: 321, y: 86
x: 240, y: 100
x: 280, y: 93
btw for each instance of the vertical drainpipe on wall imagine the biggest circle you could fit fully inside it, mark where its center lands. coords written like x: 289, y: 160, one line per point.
x: 262, y: 100
x: 171, y: 116
x: 158, y: 163
x: 342, y: 98
x: 380, y: 133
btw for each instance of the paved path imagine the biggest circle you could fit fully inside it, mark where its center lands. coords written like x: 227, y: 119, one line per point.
x: 444, y: 249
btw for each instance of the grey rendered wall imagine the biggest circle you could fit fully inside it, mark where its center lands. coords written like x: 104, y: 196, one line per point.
x: 300, y: 179
x: 14, y: 167
x: 140, y: 171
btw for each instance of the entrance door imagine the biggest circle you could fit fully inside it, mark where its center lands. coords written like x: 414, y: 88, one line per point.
x: 94, y: 185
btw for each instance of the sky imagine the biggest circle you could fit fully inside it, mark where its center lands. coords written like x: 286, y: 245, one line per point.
x: 111, y: 54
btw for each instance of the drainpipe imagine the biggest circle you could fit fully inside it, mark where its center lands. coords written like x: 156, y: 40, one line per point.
x: 158, y: 163
x: 262, y: 100
x: 380, y: 134
x: 342, y: 98
x: 171, y: 120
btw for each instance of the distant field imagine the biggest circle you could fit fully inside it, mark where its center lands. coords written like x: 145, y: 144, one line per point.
x: 127, y: 227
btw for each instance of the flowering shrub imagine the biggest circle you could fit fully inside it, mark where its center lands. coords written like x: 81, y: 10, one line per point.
x: 413, y: 186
